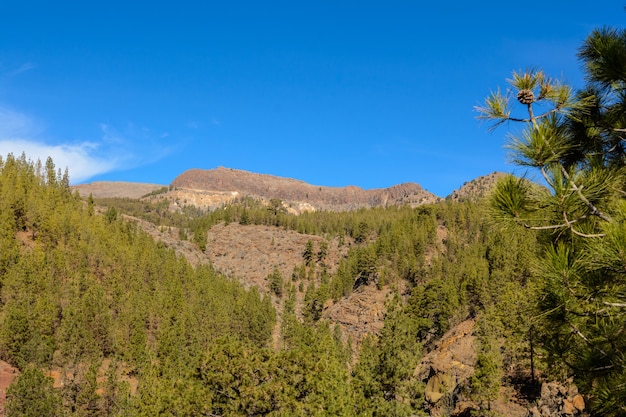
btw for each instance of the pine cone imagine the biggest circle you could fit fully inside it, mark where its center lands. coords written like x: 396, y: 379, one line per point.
x: 525, y: 96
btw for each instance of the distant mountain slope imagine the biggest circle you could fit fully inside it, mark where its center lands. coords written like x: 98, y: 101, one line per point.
x: 105, y: 189
x: 212, y: 188
x: 477, y: 188
x: 243, y: 183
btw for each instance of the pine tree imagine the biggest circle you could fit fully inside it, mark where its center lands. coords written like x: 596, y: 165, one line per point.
x: 576, y: 142
x: 276, y: 282
x: 308, y: 254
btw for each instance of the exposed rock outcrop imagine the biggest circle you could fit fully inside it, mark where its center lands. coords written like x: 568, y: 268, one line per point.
x: 558, y: 400
x: 360, y: 313
x: 447, y: 371
x: 448, y: 366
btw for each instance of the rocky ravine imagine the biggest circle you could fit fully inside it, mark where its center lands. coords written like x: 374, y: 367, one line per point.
x: 250, y: 253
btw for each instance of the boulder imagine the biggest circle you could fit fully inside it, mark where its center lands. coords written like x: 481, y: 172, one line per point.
x: 438, y: 386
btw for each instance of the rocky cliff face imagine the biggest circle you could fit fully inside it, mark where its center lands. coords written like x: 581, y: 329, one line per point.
x: 206, y: 188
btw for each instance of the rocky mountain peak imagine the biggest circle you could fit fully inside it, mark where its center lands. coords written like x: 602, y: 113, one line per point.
x: 477, y: 188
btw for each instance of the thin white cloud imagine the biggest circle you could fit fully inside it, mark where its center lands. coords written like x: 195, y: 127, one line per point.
x: 113, y: 151
x: 80, y: 159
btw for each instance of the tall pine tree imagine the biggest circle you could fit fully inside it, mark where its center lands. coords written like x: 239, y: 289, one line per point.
x: 576, y: 142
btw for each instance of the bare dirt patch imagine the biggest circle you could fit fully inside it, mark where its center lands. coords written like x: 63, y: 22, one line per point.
x: 7, y: 375
x: 250, y: 253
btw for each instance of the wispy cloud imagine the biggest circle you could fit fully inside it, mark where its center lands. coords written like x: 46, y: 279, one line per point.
x: 112, y: 151
x: 8, y: 72
x: 22, y: 68
x: 79, y: 159
x: 135, y: 146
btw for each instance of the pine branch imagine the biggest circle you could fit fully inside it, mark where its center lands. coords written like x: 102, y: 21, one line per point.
x: 530, y: 119
x: 547, y: 227
x: 578, y: 190
x: 577, y: 233
x: 582, y: 336
x: 546, y: 177
x: 620, y: 305
x: 567, y: 225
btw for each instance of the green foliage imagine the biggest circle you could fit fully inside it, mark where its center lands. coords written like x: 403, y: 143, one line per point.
x: 110, y: 215
x: 90, y: 205
x: 361, y: 232
x: 314, y: 365
x: 306, y: 379
x: 156, y: 192
x: 313, y: 303
x: 308, y: 254
x: 200, y: 238
x: 276, y: 282
x: 434, y: 306
x: 276, y: 206
x: 32, y: 395
x: 382, y: 378
x: 322, y: 253
x: 486, y: 381
x: 115, y: 399
x: 86, y: 287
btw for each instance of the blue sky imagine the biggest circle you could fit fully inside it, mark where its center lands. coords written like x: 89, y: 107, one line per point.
x: 334, y: 93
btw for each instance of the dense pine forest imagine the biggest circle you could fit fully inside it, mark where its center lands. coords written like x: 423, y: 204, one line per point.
x: 135, y: 330
x: 100, y: 319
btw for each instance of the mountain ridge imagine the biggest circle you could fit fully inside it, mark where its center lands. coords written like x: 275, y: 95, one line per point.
x: 212, y: 188
x: 297, y: 192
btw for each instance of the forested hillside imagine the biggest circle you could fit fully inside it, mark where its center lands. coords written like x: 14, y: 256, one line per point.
x: 127, y: 327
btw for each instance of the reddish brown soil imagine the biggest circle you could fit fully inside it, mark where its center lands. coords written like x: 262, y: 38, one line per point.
x: 7, y: 375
